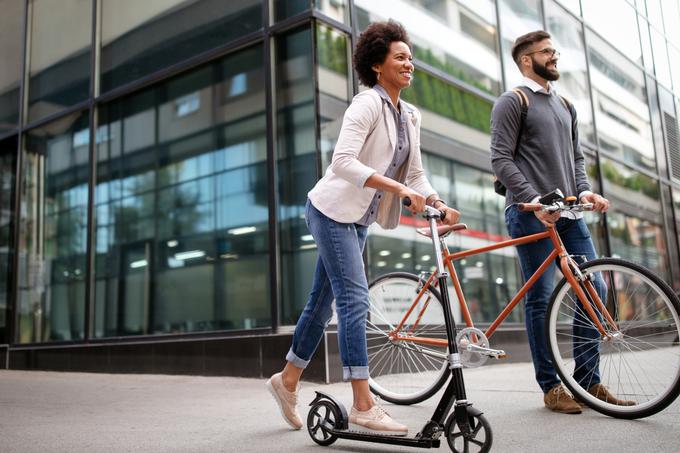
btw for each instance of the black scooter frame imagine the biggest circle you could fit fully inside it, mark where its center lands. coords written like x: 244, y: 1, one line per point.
x: 429, y: 435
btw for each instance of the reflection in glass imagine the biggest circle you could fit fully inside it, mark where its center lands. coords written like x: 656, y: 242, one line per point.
x: 635, y: 218
x: 488, y: 280
x: 10, y: 49
x: 621, y: 109
x: 59, y: 68
x: 139, y: 38
x: 53, y: 231
x: 646, y: 43
x: 297, y: 166
x: 8, y: 151
x: 661, y: 66
x: 674, y: 59
x: 284, y: 9
x: 518, y: 18
x: 621, y: 33
x: 567, y: 36
x: 181, y: 204
x: 431, y: 25
x: 333, y: 80
x: 337, y: 9
x: 572, y: 5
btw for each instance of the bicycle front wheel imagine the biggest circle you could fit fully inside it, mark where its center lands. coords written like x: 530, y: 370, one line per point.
x: 404, y: 366
x: 638, y: 361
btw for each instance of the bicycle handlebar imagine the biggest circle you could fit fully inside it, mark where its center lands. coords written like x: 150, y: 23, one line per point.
x: 429, y: 210
x: 558, y: 206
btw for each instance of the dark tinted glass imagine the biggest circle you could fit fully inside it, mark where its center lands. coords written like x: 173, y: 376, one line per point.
x: 139, y: 38
x: 287, y: 8
x: 10, y: 55
x: 61, y: 34
x: 181, y: 204
x: 297, y: 164
x: 8, y: 151
x: 53, y: 231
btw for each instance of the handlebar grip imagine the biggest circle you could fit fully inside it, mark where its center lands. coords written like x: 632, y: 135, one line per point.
x: 529, y: 207
x: 406, y: 201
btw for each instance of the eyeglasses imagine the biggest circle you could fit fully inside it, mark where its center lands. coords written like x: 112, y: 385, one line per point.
x: 548, y: 52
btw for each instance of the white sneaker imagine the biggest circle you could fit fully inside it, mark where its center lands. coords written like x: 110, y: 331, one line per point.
x: 375, y: 420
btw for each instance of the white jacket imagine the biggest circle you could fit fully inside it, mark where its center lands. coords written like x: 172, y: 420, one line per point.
x: 365, y: 146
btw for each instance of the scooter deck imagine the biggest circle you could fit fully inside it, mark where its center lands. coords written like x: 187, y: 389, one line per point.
x: 421, y: 442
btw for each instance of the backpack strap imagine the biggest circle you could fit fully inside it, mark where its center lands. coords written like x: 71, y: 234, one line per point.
x: 524, y: 106
x: 570, y: 108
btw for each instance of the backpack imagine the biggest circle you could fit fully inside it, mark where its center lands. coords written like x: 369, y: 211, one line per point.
x: 498, y: 186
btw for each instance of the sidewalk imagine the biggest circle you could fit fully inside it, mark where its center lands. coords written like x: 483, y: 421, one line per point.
x: 73, y: 412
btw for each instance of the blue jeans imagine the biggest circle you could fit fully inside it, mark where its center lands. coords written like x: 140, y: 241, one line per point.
x: 576, y: 239
x: 339, y: 274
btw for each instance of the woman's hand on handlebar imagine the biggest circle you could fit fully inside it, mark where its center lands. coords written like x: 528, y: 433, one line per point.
x: 417, y: 201
x: 451, y: 216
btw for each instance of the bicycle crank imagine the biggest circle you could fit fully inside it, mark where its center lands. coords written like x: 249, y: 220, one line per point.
x: 473, y: 347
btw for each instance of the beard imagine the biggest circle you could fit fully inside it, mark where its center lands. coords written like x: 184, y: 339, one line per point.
x: 542, y: 71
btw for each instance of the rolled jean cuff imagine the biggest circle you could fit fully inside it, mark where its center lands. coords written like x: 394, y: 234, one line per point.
x: 354, y: 372
x: 295, y: 360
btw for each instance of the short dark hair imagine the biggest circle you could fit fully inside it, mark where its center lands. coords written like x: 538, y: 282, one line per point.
x: 525, y: 41
x: 373, y: 46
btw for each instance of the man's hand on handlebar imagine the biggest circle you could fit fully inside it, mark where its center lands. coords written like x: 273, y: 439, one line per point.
x: 451, y: 216
x: 547, y: 218
x: 600, y: 203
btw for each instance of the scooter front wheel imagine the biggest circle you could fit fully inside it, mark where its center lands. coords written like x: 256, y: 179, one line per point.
x: 323, y: 416
x: 476, y: 437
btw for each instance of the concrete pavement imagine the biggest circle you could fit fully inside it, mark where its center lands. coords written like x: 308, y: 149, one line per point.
x: 74, y: 412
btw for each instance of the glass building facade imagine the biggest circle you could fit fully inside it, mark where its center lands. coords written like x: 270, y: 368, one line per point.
x: 155, y: 159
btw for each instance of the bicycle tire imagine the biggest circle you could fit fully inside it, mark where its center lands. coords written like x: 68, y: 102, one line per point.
x: 641, y: 364
x: 402, y: 372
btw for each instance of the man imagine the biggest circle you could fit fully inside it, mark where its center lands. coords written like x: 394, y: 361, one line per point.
x: 533, y: 157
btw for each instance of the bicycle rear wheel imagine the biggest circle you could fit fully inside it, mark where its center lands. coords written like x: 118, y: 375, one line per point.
x: 402, y: 371
x: 640, y: 363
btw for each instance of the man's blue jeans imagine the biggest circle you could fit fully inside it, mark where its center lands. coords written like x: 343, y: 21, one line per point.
x: 576, y: 239
x: 339, y: 274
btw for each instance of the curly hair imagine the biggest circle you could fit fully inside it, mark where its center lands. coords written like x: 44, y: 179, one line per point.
x: 373, y: 46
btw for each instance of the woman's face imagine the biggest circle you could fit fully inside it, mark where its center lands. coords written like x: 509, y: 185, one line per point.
x: 396, y: 71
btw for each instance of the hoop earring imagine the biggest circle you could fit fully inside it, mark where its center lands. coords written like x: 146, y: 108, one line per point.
x: 378, y: 76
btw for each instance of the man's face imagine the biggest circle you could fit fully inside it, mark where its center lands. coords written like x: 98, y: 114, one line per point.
x: 544, y: 60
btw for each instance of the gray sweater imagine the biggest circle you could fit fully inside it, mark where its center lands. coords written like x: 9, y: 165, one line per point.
x: 548, y: 157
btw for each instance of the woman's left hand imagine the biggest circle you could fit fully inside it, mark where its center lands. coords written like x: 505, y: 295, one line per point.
x: 452, y: 216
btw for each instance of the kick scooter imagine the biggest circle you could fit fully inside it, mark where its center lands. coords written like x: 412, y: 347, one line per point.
x: 465, y: 428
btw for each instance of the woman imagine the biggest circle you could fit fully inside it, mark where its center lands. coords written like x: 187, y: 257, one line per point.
x: 376, y: 162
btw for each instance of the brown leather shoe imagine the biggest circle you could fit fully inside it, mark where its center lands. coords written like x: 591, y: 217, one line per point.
x: 601, y: 392
x: 557, y: 399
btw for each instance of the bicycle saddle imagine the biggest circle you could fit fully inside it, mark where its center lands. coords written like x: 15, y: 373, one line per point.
x: 443, y: 230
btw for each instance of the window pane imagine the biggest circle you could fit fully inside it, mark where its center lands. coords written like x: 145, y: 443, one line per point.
x: 53, y: 231
x: 337, y: 9
x: 621, y: 109
x: 635, y: 220
x: 663, y: 72
x: 297, y: 161
x: 284, y: 9
x: 433, y: 24
x: 567, y: 36
x: 10, y: 55
x: 517, y: 18
x: 646, y: 42
x: 671, y: 18
x: 139, y: 38
x: 59, y: 68
x: 620, y: 32
x: 572, y: 5
x: 333, y: 79
x: 181, y: 204
x: 8, y: 151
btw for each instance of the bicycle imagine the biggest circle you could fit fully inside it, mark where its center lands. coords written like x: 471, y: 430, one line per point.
x: 635, y: 327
